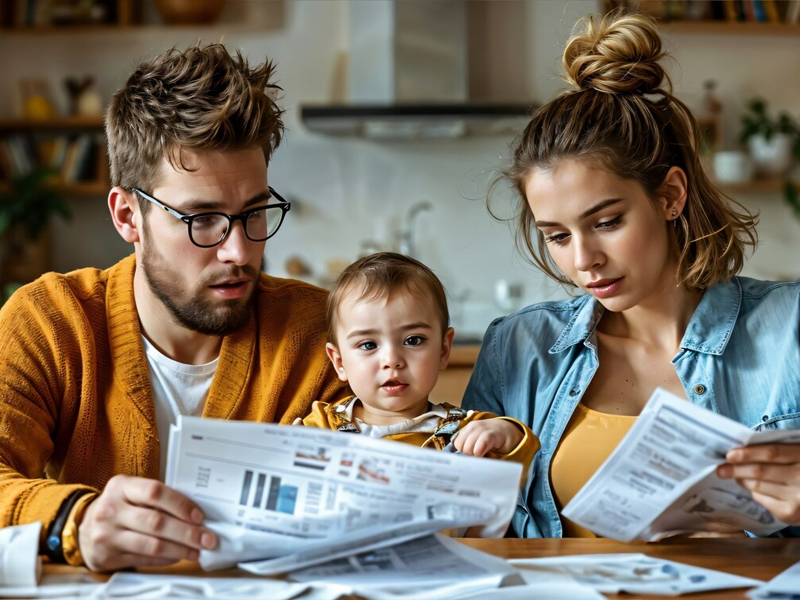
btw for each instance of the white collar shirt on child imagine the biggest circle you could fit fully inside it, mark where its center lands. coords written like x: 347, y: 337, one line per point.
x: 424, y: 423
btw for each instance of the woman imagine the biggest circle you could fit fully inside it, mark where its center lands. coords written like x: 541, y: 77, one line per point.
x: 610, y: 182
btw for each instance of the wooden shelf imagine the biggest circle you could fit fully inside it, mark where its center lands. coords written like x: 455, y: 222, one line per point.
x: 84, y: 188
x: 143, y: 16
x: 57, y: 124
x: 51, y: 29
x: 730, y: 28
x: 73, y: 189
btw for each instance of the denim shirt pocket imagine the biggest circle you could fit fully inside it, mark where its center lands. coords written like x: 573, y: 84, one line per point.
x: 786, y: 421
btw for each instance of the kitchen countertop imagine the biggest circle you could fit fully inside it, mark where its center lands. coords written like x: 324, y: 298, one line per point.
x: 464, y: 355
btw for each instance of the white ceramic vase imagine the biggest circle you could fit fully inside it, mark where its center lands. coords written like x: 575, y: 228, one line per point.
x: 771, y: 157
x: 733, y: 167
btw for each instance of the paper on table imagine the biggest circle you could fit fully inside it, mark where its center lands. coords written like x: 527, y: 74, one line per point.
x: 289, y: 497
x: 538, y: 590
x: 434, y: 566
x: 57, y: 585
x: 439, y: 568
x: 20, y: 565
x: 138, y: 585
x: 661, y: 480
x: 633, y: 573
x: 784, y: 586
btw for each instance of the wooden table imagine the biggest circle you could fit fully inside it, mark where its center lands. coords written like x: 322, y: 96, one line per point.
x: 757, y: 558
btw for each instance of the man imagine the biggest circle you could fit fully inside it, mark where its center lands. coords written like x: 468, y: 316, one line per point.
x: 95, y: 365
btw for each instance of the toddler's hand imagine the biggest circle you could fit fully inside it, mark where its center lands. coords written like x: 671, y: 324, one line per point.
x: 492, y: 435
x: 297, y: 421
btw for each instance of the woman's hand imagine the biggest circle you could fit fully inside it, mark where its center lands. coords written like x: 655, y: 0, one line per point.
x: 491, y: 435
x: 771, y: 472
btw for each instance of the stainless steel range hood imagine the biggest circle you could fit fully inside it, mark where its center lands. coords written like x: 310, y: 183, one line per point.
x: 414, y: 121
x: 408, y: 77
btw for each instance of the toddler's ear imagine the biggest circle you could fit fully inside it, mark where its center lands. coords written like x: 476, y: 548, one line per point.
x: 447, y: 346
x: 336, y: 360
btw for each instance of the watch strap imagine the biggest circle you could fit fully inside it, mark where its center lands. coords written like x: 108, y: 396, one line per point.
x: 53, y: 546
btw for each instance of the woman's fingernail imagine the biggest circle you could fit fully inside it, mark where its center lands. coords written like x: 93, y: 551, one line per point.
x: 724, y: 471
x: 208, y: 540
x: 197, y: 515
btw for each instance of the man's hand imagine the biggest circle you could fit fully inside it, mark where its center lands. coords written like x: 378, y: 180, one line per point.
x: 491, y: 435
x: 771, y: 473
x: 141, y: 522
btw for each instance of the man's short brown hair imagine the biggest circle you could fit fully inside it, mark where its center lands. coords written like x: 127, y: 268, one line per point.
x: 200, y: 99
x: 377, y: 276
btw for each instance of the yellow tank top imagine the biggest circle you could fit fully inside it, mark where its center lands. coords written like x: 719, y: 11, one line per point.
x: 589, y: 439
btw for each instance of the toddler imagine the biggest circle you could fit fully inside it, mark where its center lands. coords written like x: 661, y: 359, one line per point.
x: 388, y: 337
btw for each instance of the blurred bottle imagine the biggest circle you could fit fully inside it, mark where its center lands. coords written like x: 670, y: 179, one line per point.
x: 710, y: 120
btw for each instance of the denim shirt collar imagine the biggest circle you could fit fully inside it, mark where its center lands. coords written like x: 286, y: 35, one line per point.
x: 582, y: 324
x: 708, y: 331
x: 712, y: 323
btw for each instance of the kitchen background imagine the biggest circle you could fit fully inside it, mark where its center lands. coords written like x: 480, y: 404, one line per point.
x: 353, y: 194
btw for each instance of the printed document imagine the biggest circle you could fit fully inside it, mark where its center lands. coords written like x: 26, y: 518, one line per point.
x: 661, y: 480
x: 282, y: 498
x: 632, y: 573
x: 785, y: 586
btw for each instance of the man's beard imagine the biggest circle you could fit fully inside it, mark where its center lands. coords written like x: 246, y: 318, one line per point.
x: 196, y: 313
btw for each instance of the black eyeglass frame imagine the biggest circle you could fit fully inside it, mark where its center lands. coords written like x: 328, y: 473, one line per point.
x: 284, y: 206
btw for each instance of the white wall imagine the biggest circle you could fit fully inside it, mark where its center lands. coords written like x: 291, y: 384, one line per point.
x: 348, y: 190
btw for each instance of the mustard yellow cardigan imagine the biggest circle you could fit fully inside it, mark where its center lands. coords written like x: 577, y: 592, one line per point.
x: 76, y: 405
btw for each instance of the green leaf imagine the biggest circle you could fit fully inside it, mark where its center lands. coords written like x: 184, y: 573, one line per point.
x: 30, y: 203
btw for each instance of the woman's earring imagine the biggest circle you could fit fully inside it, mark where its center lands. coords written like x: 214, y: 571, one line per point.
x: 674, y: 213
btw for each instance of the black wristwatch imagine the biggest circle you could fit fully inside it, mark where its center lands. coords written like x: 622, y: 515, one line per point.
x: 54, y: 549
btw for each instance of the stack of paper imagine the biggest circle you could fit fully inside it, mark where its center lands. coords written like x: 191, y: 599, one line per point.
x: 282, y: 498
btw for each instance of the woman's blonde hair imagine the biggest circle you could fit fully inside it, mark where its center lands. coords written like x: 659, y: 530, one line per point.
x: 622, y: 118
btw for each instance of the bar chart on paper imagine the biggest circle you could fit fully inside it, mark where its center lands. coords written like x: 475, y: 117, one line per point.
x: 265, y: 491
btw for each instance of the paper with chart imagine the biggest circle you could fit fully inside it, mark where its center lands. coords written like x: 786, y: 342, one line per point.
x: 288, y: 497
x: 661, y: 480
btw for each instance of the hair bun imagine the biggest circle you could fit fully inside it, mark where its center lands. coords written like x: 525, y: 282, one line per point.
x: 618, y: 55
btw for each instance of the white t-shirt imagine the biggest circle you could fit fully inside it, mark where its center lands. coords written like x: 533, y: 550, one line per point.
x: 178, y: 389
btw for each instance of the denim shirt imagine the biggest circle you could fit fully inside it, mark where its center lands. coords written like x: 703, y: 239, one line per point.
x: 739, y: 357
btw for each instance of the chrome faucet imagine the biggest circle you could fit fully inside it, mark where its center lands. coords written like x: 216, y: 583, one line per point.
x: 407, y: 238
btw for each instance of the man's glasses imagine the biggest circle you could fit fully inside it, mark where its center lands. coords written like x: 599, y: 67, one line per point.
x: 208, y: 229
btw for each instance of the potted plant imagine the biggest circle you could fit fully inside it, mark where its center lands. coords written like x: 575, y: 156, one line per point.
x: 25, y: 211
x: 6, y: 292
x: 771, y: 142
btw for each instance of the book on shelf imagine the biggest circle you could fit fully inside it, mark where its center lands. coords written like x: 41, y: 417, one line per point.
x: 57, y: 152
x: 748, y: 8
x: 771, y: 11
x: 793, y: 12
x: 5, y: 161
x: 20, y: 154
x: 731, y: 13
x: 80, y: 160
x: 759, y: 12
